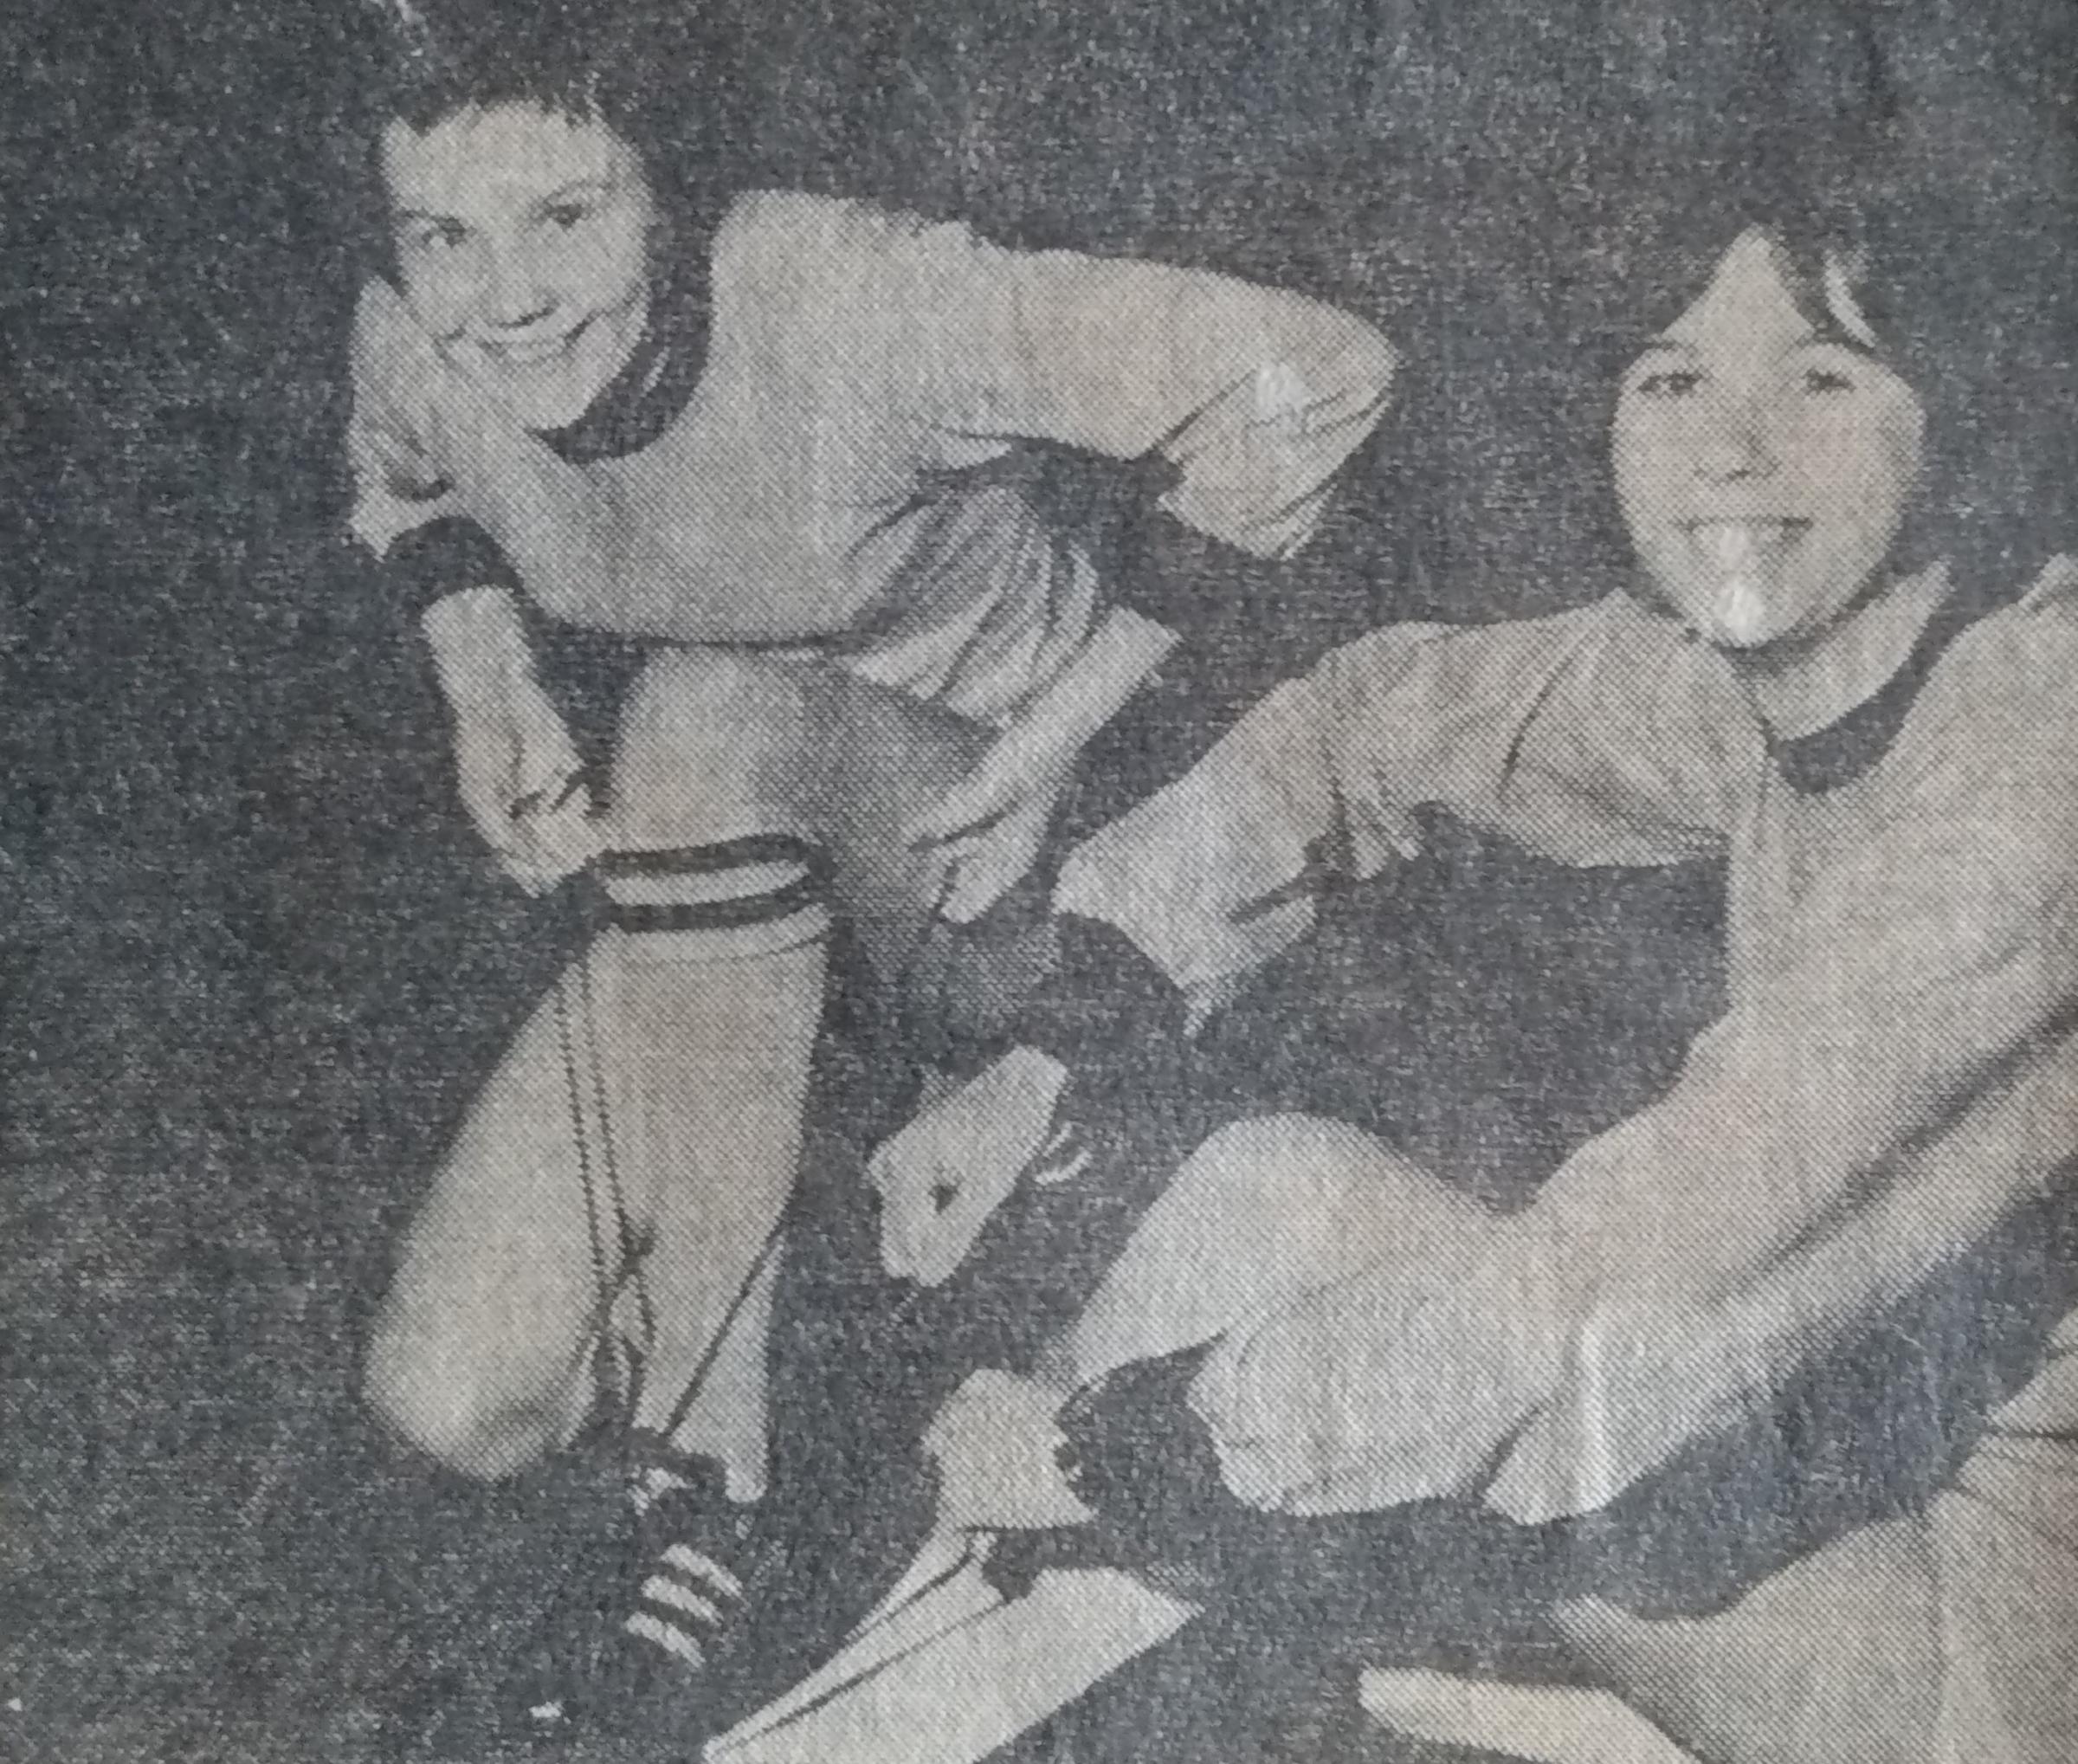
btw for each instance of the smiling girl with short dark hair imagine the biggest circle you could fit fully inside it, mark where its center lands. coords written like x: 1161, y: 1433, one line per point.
x: 777, y: 437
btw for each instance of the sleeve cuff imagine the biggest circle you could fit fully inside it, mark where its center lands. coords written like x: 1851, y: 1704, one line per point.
x: 443, y: 557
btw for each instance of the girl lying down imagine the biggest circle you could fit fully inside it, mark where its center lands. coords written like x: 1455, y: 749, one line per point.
x: 1309, y: 1337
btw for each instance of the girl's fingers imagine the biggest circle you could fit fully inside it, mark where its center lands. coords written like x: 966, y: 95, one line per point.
x: 1063, y: 1158
x: 986, y: 869
x: 1000, y: 787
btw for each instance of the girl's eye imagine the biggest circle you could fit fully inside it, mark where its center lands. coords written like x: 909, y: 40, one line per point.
x: 566, y: 217
x: 1826, y: 379
x: 437, y: 236
x: 1669, y: 383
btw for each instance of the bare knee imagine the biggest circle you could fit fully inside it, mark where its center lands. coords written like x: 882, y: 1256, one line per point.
x: 715, y: 744
x: 433, y: 1402
x: 1262, y: 1212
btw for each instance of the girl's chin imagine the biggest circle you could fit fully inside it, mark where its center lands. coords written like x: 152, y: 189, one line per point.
x: 547, y: 399
x: 1744, y: 617
x: 545, y: 409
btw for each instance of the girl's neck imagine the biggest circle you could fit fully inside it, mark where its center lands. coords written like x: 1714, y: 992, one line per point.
x: 1800, y: 689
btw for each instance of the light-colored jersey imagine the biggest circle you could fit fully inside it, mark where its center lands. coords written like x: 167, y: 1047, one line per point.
x: 861, y: 363
x: 1895, y: 1075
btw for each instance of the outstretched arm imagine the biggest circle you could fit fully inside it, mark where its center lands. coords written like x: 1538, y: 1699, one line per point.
x: 1895, y: 1075
x: 1165, y: 916
x: 1248, y: 399
x: 1593, y: 737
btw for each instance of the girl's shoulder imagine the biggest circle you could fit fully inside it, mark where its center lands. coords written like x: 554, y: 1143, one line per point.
x: 778, y: 239
x: 2028, y: 646
x: 2005, y: 691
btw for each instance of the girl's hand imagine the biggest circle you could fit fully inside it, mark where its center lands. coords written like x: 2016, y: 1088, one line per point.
x: 997, y: 1444
x: 941, y: 1177
x: 991, y: 824
x: 522, y: 787
x: 407, y: 387
x: 520, y: 778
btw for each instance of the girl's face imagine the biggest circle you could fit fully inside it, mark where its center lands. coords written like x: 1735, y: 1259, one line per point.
x: 1763, y: 467
x: 523, y: 246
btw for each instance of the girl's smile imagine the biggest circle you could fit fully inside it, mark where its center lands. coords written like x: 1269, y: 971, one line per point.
x: 1764, y: 465
x: 523, y: 246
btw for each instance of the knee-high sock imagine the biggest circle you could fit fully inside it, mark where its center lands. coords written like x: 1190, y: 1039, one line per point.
x: 713, y: 975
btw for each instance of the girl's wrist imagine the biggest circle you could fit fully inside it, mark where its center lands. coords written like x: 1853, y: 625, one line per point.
x: 1044, y: 743
x: 475, y: 631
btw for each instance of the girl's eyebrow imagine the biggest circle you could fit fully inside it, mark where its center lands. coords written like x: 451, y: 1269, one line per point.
x: 602, y: 185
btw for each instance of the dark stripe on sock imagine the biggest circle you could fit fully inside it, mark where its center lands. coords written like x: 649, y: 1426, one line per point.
x: 707, y: 859
x: 717, y: 916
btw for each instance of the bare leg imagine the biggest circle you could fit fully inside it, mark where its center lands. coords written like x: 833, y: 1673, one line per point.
x: 1947, y: 1639
x: 1261, y: 1213
x: 481, y: 1351
x: 685, y: 1058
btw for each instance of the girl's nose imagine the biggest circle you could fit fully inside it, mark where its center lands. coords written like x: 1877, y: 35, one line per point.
x: 1736, y: 444
x: 515, y: 292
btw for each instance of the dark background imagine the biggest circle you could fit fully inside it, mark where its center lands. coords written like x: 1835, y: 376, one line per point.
x: 251, y: 959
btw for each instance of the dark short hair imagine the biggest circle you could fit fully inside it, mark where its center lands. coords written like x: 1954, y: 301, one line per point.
x: 660, y: 76
x: 1959, y: 286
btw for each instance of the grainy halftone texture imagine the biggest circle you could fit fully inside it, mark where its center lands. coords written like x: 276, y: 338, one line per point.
x: 257, y: 967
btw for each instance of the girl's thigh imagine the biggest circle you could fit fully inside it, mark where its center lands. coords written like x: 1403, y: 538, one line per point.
x: 717, y: 744
x: 885, y: 758
x: 1262, y: 1214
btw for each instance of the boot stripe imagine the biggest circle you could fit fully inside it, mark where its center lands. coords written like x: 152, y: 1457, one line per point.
x: 669, y: 1637
x: 692, y: 1563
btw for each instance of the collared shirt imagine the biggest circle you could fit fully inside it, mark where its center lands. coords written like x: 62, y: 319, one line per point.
x: 1893, y: 1074
x: 863, y: 371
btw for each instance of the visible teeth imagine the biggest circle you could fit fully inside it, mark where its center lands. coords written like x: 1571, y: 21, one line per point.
x: 528, y: 353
